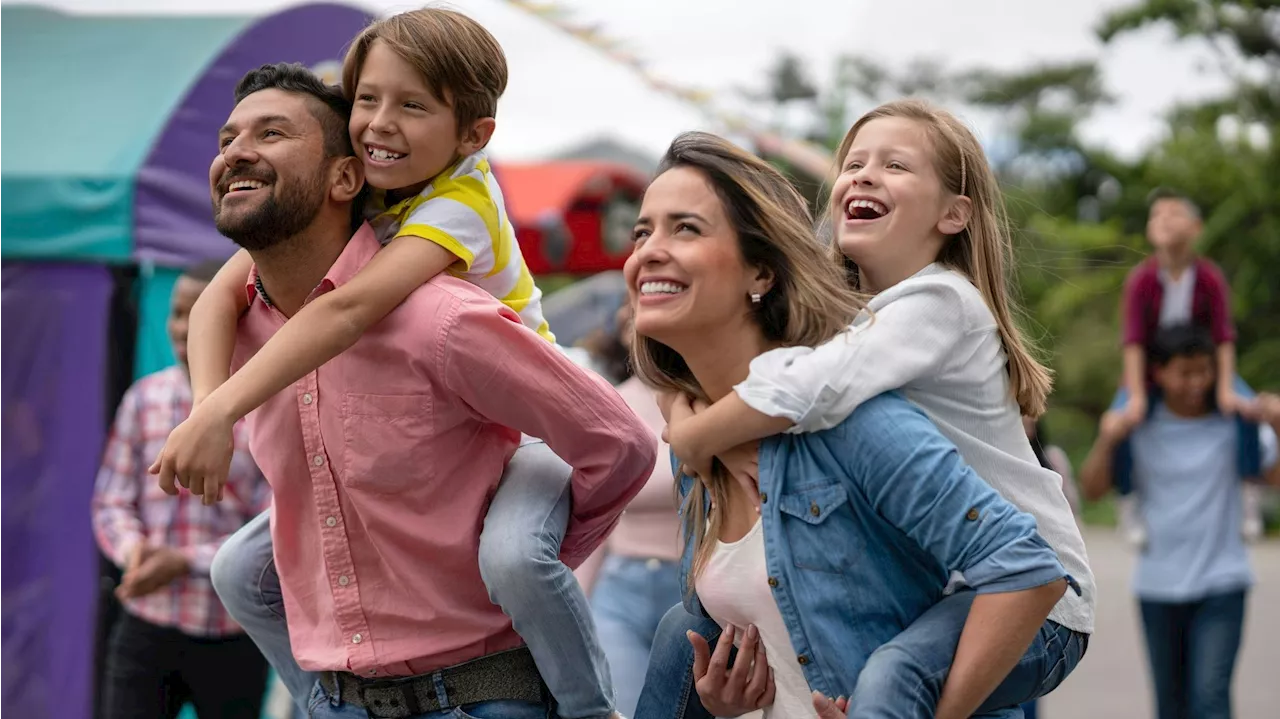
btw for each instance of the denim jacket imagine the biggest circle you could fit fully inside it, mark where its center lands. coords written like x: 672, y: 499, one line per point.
x: 863, y: 525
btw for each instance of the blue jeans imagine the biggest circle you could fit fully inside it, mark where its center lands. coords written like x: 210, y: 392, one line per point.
x: 519, y: 561
x: 1192, y: 648
x: 321, y: 705
x: 629, y: 600
x: 903, y: 678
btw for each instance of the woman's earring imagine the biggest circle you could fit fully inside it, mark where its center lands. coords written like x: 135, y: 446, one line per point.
x: 755, y: 298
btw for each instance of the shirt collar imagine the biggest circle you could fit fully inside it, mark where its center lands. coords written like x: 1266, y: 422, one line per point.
x: 357, y: 253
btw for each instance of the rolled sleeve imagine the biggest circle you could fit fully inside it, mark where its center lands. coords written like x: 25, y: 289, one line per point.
x: 916, y: 479
x: 1014, y: 568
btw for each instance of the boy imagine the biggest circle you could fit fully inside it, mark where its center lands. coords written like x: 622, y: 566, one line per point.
x: 424, y: 87
x: 1192, y: 577
x: 1175, y: 286
x: 174, y: 642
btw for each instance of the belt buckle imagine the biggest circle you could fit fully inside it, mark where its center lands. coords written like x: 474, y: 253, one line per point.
x: 389, y: 699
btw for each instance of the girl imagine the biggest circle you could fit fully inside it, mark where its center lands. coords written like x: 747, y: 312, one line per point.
x: 859, y: 524
x: 918, y: 223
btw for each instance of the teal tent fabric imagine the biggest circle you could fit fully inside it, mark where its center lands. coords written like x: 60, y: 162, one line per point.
x: 68, y: 174
x: 154, y: 351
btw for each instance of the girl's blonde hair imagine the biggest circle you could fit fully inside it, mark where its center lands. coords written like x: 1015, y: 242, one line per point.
x: 982, y: 251
x: 808, y: 304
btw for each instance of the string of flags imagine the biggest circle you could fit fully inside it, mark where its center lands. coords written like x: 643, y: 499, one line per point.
x: 809, y: 157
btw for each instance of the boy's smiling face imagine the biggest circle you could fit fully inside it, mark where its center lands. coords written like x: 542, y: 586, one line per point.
x: 402, y: 133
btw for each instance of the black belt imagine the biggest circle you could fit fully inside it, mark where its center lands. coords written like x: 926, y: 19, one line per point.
x: 509, y: 675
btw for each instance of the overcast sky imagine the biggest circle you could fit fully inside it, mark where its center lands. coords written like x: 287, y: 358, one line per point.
x: 562, y: 93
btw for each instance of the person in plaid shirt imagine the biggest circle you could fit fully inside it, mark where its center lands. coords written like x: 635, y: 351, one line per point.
x: 174, y: 642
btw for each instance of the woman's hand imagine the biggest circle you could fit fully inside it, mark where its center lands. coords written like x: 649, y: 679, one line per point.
x: 726, y: 692
x: 829, y: 708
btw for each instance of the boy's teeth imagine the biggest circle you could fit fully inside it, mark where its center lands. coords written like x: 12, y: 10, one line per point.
x: 661, y: 288
x: 378, y: 153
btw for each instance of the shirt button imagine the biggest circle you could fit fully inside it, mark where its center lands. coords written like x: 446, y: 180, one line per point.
x: 307, y: 398
x: 972, y: 514
x: 802, y: 658
x: 653, y: 564
x: 773, y: 581
x: 814, y: 509
x: 373, y: 672
x: 357, y: 639
x: 764, y: 497
x: 330, y: 521
x: 319, y: 460
x: 344, y: 580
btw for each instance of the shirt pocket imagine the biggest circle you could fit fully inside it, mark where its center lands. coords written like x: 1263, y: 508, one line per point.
x: 386, y: 441
x: 818, y: 523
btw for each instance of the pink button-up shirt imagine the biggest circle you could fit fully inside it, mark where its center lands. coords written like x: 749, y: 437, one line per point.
x: 383, y: 462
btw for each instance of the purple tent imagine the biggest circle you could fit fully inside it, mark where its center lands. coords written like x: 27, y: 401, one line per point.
x: 105, y: 213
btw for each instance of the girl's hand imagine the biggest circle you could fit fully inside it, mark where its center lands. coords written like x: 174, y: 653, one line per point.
x: 197, y: 455
x: 681, y: 408
x: 743, y: 464
x: 829, y: 708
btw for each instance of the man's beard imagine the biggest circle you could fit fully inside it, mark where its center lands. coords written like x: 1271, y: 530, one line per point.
x: 276, y: 219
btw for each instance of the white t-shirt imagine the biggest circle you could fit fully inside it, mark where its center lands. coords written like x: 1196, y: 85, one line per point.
x: 734, y: 589
x: 1175, y: 305
x: 932, y: 336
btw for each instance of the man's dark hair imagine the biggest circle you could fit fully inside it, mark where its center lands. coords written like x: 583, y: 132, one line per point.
x: 203, y: 271
x: 328, y: 105
x: 1168, y: 193
x: 1180, y: 341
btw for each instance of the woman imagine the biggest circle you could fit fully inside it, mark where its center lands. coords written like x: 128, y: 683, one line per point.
x: 635, y: 578
x: 855, y: 531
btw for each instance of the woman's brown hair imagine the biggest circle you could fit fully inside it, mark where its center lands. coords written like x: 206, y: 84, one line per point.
x: 808, y: 304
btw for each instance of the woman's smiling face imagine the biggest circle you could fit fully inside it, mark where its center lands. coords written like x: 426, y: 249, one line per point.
x: 687, y: 277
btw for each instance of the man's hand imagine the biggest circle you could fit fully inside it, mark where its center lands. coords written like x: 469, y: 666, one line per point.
x: 150, y: 569
x: 732, y: 692
x: 829, y: 708
x: 1116, y: 425
x: 197, y: 455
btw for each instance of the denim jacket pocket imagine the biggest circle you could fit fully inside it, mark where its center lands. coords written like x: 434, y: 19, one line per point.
x: 385, y: 441
x: 817, y: 521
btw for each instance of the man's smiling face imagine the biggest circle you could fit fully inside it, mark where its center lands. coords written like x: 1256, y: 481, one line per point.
x: 270, y: 176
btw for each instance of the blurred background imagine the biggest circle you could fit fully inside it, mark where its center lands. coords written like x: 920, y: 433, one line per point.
x: 1083, y: 109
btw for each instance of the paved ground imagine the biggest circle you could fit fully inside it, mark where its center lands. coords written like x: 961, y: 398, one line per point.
x: 1112, y: 681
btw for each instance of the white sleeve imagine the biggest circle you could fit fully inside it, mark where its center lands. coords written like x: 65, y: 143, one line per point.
x: 912, y: 336
x: 1267, y: 443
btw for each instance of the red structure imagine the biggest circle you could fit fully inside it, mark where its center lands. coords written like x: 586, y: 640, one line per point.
x: 572, y: 216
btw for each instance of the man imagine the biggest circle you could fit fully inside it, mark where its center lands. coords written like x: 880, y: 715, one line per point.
x: 174, y: 642
x: 1192, y: 576
x: 382, y: 463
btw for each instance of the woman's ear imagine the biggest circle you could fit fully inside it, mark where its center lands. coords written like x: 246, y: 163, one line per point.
x: 956, y: 217
x: 763, y: 282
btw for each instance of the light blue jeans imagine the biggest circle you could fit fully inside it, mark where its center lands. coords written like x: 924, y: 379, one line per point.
x: 321, y: 705
x: 519, y: 561
x: 629, y: 600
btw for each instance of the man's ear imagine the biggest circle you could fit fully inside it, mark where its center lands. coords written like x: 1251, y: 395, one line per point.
x: 477, y: 136
x: 346, y: 179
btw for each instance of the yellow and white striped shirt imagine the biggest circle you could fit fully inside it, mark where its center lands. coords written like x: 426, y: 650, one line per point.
x: 462, y: 211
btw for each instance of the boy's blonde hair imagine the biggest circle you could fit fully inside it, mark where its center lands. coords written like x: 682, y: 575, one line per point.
x: 808, y: 304
x: 461, y: 63
x: 982, y: 251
